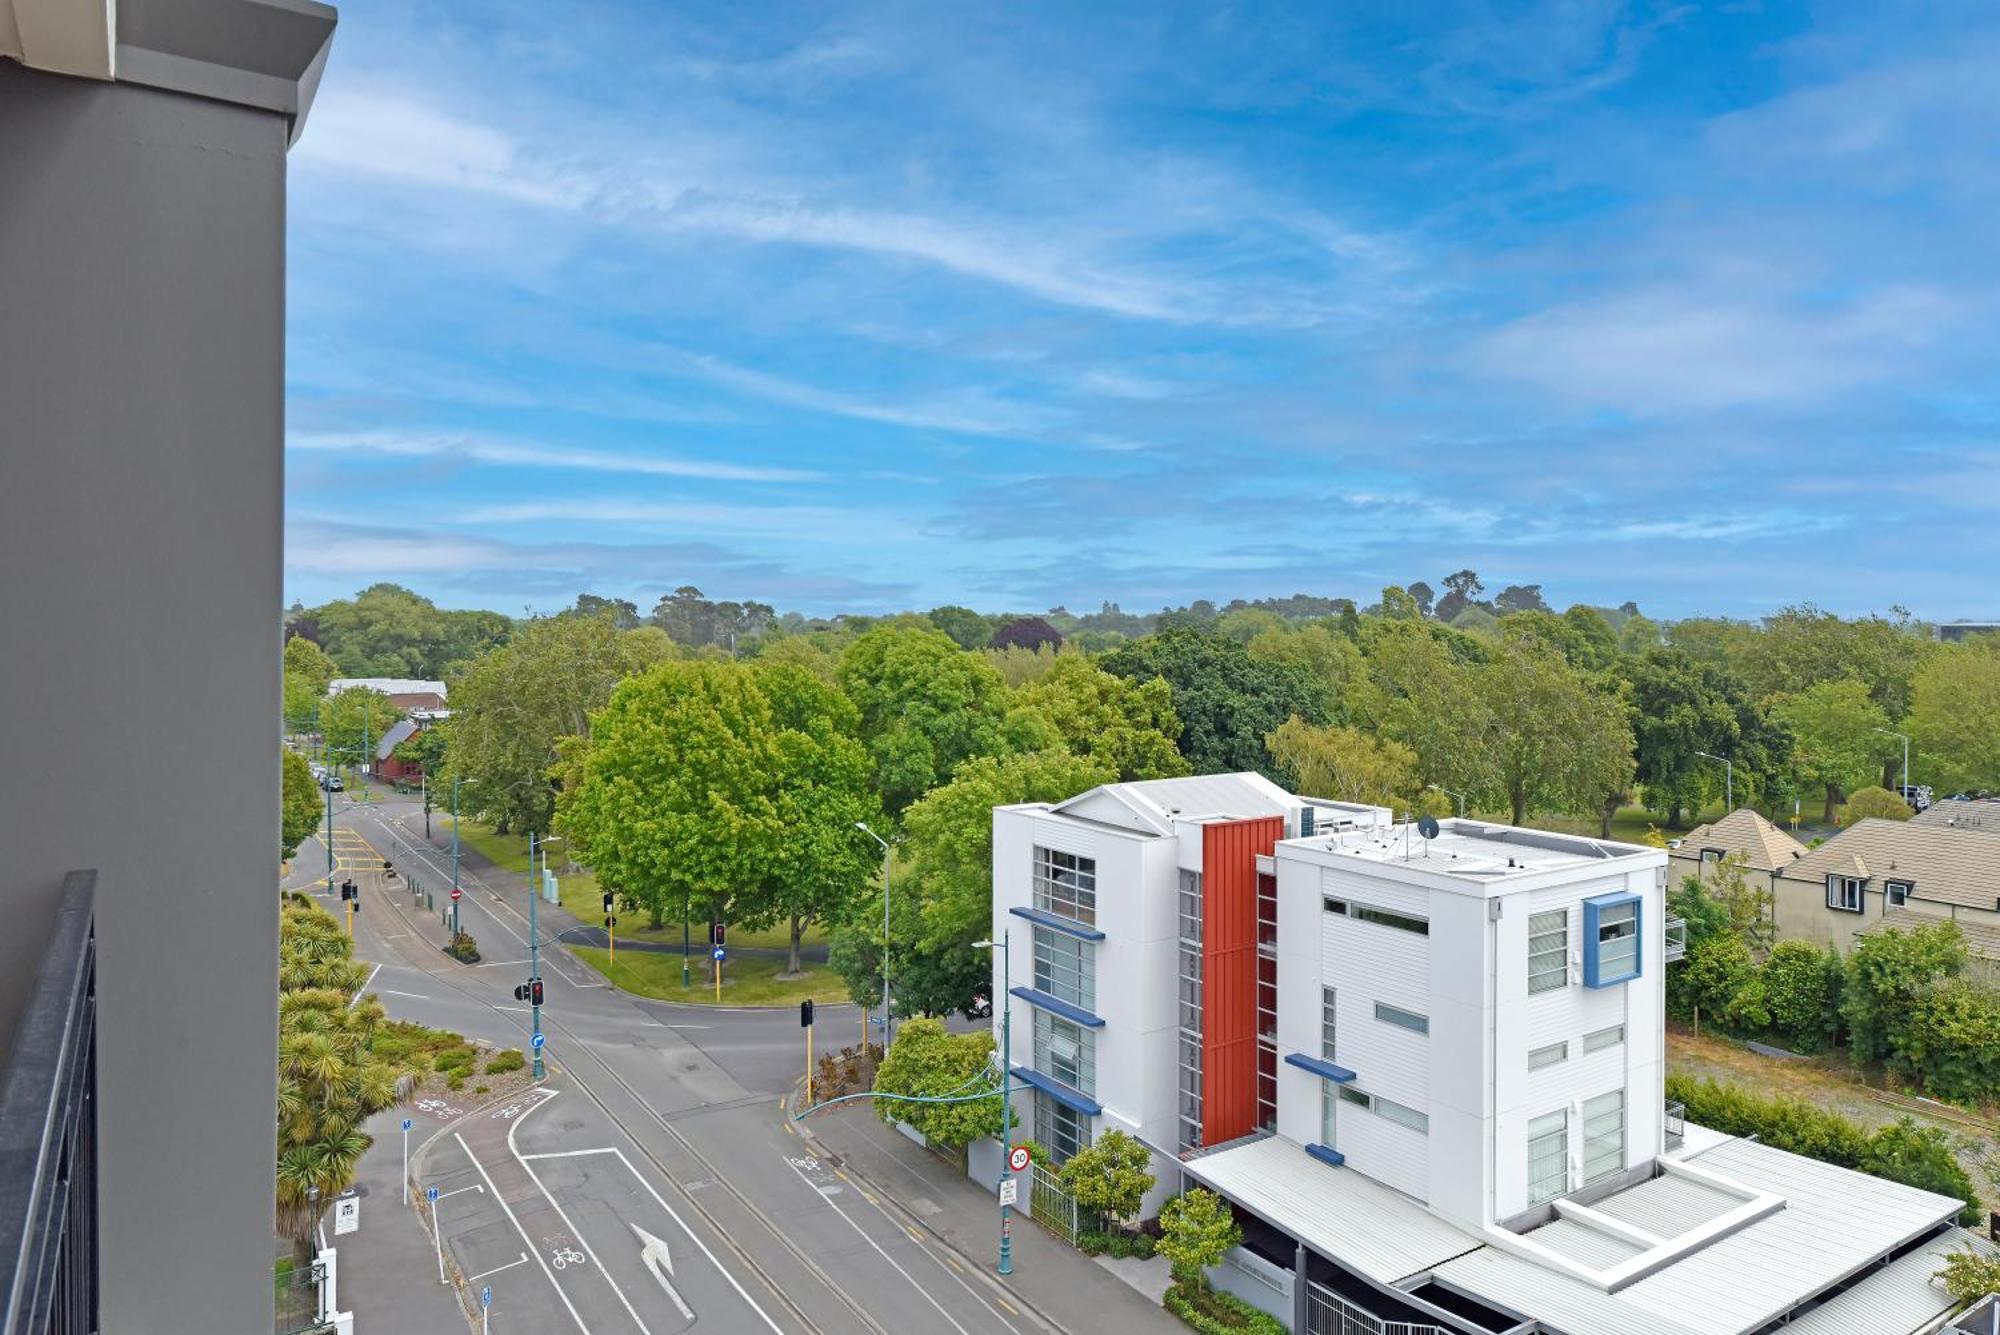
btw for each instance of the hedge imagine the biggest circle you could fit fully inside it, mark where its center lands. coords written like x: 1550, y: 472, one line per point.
x: 1216, y: 1313
x: 1916, y: 1156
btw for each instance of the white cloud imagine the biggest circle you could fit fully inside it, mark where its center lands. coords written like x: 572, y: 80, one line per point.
x: 476, y: 449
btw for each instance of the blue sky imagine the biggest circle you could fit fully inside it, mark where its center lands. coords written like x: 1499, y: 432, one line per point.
x: 851, y: 308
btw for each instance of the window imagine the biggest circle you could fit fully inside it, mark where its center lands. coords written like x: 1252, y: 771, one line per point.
x: 1610, y: 940
x: 1328, y: 1017
x: 1066, y: 1051
x: 1190, y: 992
x: 1898, y: 892
x: 1599, y: 1039
x: 1267, y: 999
x: 1603, y: 1136
x: 1190, y: 906
x: 1329, y: 1099
x: 1349, y: 1094
x: 1060, y: 1127
x: 1381, y: 1107
x: 1066, y: 885
x: 1267, y: 910
x: 1396, y: 1015
x: 1548, y: 951
x: 1190, y: 1091
x: 1710, y: 857
x: 1065, y: 967
x: 1553, y: 1055
x: 1402, y: 922
x: 1548, y: 1156
x: 1844, y: 893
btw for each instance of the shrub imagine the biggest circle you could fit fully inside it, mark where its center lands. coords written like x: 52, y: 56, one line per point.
x: 1196, y: 1229
x: 1120, y: 1246
x: 456, y: 1080
x: 1721, y: 978
x: 482, y: 1089
x: 1950, y: 1041
x: 1969, y: 1275
x: 463, y: 948
x: 1214, y: 1313
x: 1801, y: 993
x: 1877, y: 802
x: 1110, y: 1176
x: 1921, y: 1157
x: 926, y: 1059
x: 1886, y: 971
x: 502, y: 1062
x: 460, y: 1059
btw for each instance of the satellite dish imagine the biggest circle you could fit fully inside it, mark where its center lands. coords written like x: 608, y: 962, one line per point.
x: 1427, y: 826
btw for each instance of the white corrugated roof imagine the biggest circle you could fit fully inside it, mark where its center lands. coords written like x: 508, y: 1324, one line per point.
x: 1834, y: 1222
x: 1155, y: 803
x: 1899, y: 1299
x: 1336, y: 1211
x: 1667, y: 1207
x: 386, y: 685
x: 403, y: 730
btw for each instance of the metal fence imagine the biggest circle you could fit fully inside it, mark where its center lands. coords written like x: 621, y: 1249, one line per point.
x: 48, y: 1136
x: 1676, y: 1124
x: 1051, y: 1205
x: 295, y: 1304
x: 1327, y: 1313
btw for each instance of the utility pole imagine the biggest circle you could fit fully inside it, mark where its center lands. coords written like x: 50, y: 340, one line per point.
x: 534, y: 958
x: 454, y: 857
x: 888, y: 1020
x: 1906, y: 760
x: 1006, y: 1266
x: 1728, y: 781
x: 687, y: 908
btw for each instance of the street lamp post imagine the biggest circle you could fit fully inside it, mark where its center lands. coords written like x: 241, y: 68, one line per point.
x: 1728, y: 781
x: 1006, y: 1266
x: 454, y: 856
x: 1451, y: 793
x: 887, y: 1020
x: 535, y: 944
x: 1906, y: 758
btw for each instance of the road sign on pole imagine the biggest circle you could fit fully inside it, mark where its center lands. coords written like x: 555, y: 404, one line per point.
x: 1010, y: 1190
x: 1017, y: 1158
x: 431, y: 1195
x: 456, y: 894
x: 540, y: 1039
x: 719, y: 953
x: 406, y: 1158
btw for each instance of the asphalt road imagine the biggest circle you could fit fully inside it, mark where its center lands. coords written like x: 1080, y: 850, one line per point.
x: 652, y: 1183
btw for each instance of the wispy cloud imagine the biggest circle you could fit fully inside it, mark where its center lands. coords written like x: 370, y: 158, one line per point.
x: 483, y: 450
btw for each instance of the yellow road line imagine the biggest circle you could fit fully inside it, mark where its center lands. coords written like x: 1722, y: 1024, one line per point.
x: 1008, y: 1307
x: 952, y: 1261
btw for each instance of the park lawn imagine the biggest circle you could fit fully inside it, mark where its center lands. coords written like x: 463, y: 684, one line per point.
x: 747, y: 980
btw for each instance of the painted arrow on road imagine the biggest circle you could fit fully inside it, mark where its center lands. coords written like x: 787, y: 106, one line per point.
x: 660, y: 1261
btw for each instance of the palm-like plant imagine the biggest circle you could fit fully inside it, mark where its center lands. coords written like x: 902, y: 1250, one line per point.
x: 329, y: 1081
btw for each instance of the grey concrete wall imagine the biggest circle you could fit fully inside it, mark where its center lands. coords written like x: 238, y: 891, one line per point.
x: 141, y: 417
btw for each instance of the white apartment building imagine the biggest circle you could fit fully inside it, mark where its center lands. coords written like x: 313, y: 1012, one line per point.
x: 1425, y: 1065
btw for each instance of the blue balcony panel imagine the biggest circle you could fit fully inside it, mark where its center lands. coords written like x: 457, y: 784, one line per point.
x: 1055, y: 1005
x: 1340, y: 1075
x: 1064, y: 925
x: 1070, y: 1098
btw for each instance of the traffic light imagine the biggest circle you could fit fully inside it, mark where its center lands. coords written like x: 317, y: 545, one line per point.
x: 348, y: 890
x: 534, y: 991
x: 521, y: 992
x: 806, y: 1014
x: 609, y: 922
x: 715, y: 931
x: 607, y: 901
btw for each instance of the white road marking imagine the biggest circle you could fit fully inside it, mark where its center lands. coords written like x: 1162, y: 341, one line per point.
x: 497, y: 964
x: 497, y: 1269
x: 390, y: 991
x: 455, y: 1190
x: 568, y: 1154
x: 673, y: 1214
x: 523, y: 1232
x: 364, y: 987
x: 563, y: 1215
x: 654, y: 1254
x: 822, y: 1194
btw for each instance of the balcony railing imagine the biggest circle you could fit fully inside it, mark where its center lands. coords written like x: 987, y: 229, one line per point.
x: 1676, y: 939
x: 1327, y: 1313
x: 1676, y: 1124
x: 48, y: 1136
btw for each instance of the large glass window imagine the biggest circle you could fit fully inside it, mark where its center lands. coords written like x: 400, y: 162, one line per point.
x: 1402, y: 922
x: 1066, y: 1051
x: 1610, y: 940
x: 1329, y: 1099
x: 1060, y: 1127
x: 1548, y: 1156
x: 1402, y: 1116
x: 1603, y: 1136
x: 1329, y: 1013
x: 1066, y: 885
x: 1401, y: 1018
x: 1065, y: 967
x: 1548, y: 950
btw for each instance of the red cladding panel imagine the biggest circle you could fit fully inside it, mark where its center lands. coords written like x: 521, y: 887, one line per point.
x: 1229, y: 851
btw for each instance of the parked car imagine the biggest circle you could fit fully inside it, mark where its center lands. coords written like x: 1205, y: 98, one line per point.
x: 980, y: 1007
x: 332, y: 783
x: 1918, y: 795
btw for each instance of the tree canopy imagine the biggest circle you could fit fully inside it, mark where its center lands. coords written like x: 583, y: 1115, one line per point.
x: 925, y: 705
x: 1227, y: 700
x: 299, y: 806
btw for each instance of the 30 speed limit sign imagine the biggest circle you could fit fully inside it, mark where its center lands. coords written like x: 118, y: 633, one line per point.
x: 1017, y: 1158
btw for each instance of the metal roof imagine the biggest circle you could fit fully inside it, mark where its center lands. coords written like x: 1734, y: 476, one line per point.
x: 1899, y: 1299
x: 1667, y: 1207
x: 387, y: 685
x: 1336, y: 1211
x: 1152, y: 805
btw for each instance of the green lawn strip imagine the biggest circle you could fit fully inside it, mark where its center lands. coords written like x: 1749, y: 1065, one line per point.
x: 747, y: 980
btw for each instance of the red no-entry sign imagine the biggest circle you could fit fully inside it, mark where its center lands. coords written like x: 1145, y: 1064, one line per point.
x: 456, y: 893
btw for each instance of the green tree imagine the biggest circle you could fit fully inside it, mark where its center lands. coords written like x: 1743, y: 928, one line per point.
x: 1838, y: 736
x: 1950, y: 1041
x: 1876, y: 804
x: 1746, y: 902
x: 388, y: 631
x: 512, y: 710
x: 1227, y: 700
x: 823, y: 788
x: 1110, y: 1176
x: 1720, y: 977
x: 671, y: 800
x: 1681, y: 707
x: 1558, y: 743
x: 1887, y: 971
x: 1197, y: 1230
x: 929, y: 1061
x: 315, y: 953
x: 1322, y: 651
x: 1420, y: 689
x: 1921, y: 1157
x: 942, y: 900
x: 1345, y: 764
x: 925, y: 705
x: 1129, y: 725
x: 352, y: 724
x: 1969, y: 1274
x: 967, y: 628
x: 299, y: 810
x: 1954, y: 720
x: 307, y: 672
x: 1802, y: 993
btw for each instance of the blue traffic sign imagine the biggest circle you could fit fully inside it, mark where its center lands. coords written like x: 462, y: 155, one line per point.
x: 430, y: 1193
x: 540, y: 1039
x: 486, y: 1295
x: 720, y: 952
x: 406, y: 1124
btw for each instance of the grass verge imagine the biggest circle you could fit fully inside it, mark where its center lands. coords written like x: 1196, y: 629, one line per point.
x: 747, y: 980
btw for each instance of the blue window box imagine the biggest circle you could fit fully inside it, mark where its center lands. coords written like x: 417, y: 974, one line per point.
x: 1340, y: 1075
x: 1613, y: 939
x: 1057, y: 1006
x: 1327, y: 1154
x: 1074, y: 1099
x: 1053, y: 923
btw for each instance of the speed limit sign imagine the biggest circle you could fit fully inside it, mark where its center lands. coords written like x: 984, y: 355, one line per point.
x: 1017, y: 1158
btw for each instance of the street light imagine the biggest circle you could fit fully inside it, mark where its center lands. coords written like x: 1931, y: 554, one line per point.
x: 1728, y: 781
x: 887, y: 1021
x: 1006, y: 1266
x: 1906, y: 759
x: 1450, y: 793
x: 535, y: 943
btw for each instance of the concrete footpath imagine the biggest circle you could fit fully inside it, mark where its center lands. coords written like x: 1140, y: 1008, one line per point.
x: 1052, y: 1280
x: 388, y: 1268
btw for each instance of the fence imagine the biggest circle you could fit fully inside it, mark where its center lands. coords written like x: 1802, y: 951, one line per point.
x: 1051, y: 1206
x: 1327, y: 1313
x: 295, y: 1305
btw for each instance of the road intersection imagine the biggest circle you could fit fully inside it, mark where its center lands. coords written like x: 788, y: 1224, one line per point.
x: 654, y: 1183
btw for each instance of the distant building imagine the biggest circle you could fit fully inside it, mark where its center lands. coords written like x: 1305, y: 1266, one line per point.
x: 406, y: 693
x: 1960, y: 814
x: 1959, y: 630
x: 393, y: 768
x: 1764, y: 849
x: 1427, y: 1073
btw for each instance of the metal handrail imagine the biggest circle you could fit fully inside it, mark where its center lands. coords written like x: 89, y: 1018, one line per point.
x: 48, y: 1135
x: 1675, y: 938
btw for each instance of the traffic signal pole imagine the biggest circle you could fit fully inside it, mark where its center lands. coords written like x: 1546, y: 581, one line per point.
x: 454, y: 857
x: 534, y: 956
